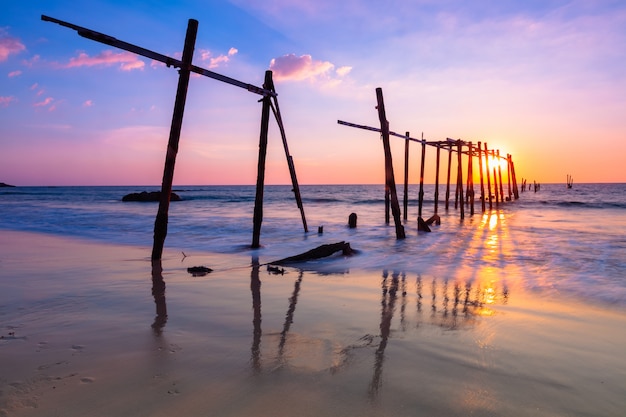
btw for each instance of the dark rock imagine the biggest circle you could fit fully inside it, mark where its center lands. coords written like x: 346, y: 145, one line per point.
x: 148, y: 196
x: 199, y: 271
x: 2, y: 184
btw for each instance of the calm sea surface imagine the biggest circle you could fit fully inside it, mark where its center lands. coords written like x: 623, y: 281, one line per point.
x: 556, y: 240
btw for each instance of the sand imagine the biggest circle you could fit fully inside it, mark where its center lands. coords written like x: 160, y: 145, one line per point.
x: 92, y: 329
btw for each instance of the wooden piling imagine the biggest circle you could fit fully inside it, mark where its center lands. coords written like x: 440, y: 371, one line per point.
x: 470, y: 178
x: 422, y: 164
x: 482, y: 182
x: 437, y: 179
x: 488, y: 177
x: 515, y: 189
x: 160, y: 223
x: 508, y: 176
x: 495, y: 179
x: 389, y: 180
x: 260, y: 181
x: 500, y: 175
x: 459, y: 183
x: 448, y: 179
x: 406, y: 176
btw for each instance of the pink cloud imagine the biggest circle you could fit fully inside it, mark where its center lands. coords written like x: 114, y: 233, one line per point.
x: 5, y: 101
x: 127, y: 60
x: 44, y: 103
x: 88, y: 103
x: 297, y: 68
x: 214, y: 62
x: 32, y: 61
x: 9, y: 46
x: 15, y: 73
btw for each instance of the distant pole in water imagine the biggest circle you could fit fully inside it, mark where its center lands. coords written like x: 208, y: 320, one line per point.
x: 480, y: 168
x: 260, y: 182
x: 160, y: 223
x: 389, y: 180
x: 406, y: 176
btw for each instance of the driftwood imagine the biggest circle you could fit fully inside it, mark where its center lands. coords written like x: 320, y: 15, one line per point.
x: 422, y: 226
x: 319, y: 252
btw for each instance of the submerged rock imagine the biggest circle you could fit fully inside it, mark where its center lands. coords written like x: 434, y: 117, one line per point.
x: 148, y: 196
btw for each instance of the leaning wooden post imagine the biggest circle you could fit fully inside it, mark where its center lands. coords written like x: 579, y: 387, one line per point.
x: 389, y: 180
x: 500, y: 175
x: 448, y: 180
x: 421, y: 193
x: 406, y: 176
x: 488, y: 176
x: 482, y: 183
x: 260, y: 180
x: 459, y: 184
x: 290, y: 164
x: 160, y: 223
x: 495, y: 179
x: 437, y: 179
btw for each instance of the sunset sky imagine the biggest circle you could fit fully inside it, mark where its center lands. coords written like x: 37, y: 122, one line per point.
x: 542, y: 80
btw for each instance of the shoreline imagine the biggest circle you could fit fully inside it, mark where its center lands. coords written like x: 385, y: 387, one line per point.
x: 89, y: 329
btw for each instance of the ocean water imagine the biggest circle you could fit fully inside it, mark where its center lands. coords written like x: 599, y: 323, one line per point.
x: 557, y: 241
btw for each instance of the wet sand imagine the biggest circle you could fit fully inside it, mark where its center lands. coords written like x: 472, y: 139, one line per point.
x: 92, y: 329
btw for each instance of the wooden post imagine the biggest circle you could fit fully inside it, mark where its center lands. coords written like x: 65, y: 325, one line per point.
x: 160, y: 223
x: 470, y: 178
x: 437, y: 179
x: 406, y: 176
x: 389, y: 180
x: 482, y: 183
x: 448, y: 180
x: 421, y: 193
x: 508, y: 176
x: 459, y: 183
x: 488, y: 176
x: 260, y: 181
x: 500, y: 175
x: 495, y: 179
x: 515, y: 189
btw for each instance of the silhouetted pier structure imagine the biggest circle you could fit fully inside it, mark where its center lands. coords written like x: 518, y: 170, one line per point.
x: 185, y: 68
x: 464, y: 150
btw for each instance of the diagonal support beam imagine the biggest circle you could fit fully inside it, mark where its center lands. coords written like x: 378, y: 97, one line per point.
x: 169, y: 61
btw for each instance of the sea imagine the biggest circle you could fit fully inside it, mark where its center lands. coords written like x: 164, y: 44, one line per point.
x: 556, y: 241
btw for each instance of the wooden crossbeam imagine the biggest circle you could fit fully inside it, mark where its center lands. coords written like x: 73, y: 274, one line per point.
x: 169, y: 61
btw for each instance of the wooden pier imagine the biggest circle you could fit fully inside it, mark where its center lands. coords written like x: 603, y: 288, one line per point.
x: 489, y: 173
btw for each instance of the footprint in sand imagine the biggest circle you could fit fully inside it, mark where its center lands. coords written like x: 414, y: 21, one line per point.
x: 87, y: 380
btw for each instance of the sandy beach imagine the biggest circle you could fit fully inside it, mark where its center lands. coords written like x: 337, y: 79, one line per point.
x: 93, y: 329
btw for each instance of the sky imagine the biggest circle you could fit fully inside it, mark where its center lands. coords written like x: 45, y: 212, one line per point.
x: 542, y: 80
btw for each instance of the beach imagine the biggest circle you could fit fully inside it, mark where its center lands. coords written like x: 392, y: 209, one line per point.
x: 90, y: 328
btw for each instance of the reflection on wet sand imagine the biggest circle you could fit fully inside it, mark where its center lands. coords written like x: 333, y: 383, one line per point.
x: 453, y: 305
x: 158, y: 292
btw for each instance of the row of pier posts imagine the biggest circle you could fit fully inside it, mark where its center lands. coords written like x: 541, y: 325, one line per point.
x: 463, y: 197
